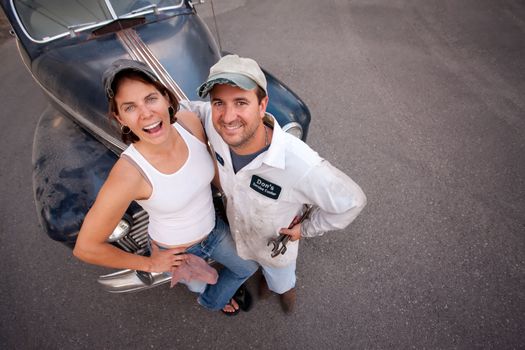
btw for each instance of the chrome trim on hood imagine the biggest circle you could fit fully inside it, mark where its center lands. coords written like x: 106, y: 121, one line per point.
x: 139, y: 51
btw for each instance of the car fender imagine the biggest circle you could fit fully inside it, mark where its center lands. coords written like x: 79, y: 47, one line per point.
x: 69, y: 167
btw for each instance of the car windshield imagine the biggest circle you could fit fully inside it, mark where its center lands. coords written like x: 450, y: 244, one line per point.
x: 45, y: 20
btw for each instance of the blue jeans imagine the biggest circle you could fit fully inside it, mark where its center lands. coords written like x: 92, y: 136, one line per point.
x: 220, y: 247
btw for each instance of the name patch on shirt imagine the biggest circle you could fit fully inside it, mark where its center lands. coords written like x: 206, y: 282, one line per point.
x: 265, y: 187
x: 219, y: 158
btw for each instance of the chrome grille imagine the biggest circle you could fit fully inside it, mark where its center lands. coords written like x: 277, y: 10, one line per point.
x: 136, y: 241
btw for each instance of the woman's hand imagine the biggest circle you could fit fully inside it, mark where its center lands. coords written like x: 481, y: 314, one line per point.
x: 164, y: 260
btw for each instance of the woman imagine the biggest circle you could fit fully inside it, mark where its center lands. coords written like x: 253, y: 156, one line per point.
x: 167, y: 170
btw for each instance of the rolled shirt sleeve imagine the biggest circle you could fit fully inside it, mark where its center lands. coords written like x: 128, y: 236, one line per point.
x: 336, y: 198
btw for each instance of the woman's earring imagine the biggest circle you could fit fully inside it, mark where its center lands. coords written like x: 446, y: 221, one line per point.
x: 125, y: 129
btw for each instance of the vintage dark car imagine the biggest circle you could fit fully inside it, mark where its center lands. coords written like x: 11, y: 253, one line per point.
x: 66, y: 45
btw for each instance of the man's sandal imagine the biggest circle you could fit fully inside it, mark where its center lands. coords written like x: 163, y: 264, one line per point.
x: 243, y: 298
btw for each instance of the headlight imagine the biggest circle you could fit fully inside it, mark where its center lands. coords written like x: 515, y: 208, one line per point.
x: 120, y: 231
x: 294, y: 128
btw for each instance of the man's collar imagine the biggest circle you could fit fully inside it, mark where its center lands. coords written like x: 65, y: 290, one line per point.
x: 275, y: 156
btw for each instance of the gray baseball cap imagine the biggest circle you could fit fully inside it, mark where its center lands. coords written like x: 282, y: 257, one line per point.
x: 121, y: 65
x: 234, y: 70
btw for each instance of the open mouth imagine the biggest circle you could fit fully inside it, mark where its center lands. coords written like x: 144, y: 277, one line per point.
x: 153, y: 128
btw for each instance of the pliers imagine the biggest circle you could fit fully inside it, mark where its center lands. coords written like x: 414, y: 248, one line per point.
x: 283, y: 239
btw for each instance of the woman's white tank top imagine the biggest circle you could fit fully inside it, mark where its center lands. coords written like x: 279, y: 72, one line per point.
x: 180, y: 207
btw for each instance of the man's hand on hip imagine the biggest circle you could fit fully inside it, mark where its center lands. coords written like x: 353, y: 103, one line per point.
x: 294, y: 232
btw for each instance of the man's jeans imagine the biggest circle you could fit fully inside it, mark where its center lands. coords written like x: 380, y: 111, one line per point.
x: 220, y: 247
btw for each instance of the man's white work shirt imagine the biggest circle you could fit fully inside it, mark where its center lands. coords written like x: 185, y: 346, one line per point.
x: 270, y: 191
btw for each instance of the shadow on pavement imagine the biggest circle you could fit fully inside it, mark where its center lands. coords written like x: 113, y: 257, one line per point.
x: 5, y: 27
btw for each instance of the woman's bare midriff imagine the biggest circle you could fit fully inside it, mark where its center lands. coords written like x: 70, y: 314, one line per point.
x: 185, y: 245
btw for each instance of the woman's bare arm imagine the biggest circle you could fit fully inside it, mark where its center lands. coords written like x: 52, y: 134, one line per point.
x: 124, y: 184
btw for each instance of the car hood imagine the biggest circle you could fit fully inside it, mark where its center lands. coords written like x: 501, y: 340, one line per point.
x: 71, y: 75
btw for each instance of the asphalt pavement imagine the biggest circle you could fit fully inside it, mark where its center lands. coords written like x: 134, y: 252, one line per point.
x: 420, y: 102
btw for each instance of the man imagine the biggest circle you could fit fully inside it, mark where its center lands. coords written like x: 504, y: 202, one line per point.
x: 267, y: 175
